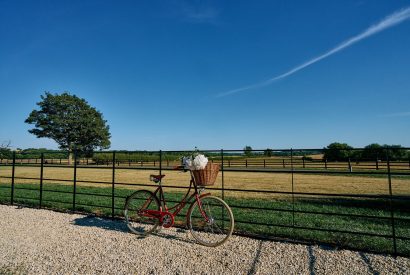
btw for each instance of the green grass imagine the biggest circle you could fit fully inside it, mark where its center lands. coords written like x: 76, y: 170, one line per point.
x: 253, y: 220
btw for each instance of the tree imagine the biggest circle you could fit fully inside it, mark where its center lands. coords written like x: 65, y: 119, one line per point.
x: 5, y: 151
x: 268, y: 152
x: 337, y: 152
x: 247, y: 150
x: 373, y: 151
x: 71, y: 122
x: 395, y: 152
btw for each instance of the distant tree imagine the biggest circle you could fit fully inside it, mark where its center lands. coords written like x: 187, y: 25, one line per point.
x: 5, y: 151
x: 247, y: 150
x: 337, y: 152
x: 395, y: 152
x: 373, y: 151
x: 309, y: 158
x: 71, y: 122
x: 268, y: 152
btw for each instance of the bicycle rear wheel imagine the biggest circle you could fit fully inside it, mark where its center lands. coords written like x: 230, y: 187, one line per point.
x: 214, y: 224
x: 138, y: 222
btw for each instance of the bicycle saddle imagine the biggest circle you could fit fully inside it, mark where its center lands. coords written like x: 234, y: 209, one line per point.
x: 156, y: 178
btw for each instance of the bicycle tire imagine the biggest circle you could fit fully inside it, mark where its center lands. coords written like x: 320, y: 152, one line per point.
x: 137, y: 223
x: 219, y: 227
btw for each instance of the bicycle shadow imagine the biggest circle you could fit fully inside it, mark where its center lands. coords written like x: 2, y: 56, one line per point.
x: 107, y: 224
x: 120, y: 226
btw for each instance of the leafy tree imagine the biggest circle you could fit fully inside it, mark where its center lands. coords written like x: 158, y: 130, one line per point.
x: 337, y: 152
x: 373, y: 151
x: 247, y: 150
x: 268, y: 152
x: 5, y: 151
x: 71, y: 122
x: 395, y: 152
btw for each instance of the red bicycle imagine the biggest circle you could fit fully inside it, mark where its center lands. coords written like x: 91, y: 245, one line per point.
x: 209, y: 219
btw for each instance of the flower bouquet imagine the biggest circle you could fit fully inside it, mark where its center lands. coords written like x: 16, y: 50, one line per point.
x: 203, y: 172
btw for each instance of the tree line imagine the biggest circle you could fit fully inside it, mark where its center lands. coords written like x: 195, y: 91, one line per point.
x: 343, y: 152
x: 340, y: 152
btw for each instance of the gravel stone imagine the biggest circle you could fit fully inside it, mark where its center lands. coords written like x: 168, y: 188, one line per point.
x: 34, y: 241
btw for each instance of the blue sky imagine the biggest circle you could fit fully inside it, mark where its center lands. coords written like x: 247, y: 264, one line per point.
x: 157, y: 70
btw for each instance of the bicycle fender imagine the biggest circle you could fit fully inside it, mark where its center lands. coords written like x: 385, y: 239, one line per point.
x: 192, y: 205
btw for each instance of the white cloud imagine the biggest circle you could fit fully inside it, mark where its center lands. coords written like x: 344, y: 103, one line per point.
x: 388, y: 22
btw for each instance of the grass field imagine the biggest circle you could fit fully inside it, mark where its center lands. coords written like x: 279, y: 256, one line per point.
x: 246, y: 206
x: 274, y: 162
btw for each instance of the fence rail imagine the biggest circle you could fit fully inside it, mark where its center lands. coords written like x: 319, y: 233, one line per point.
x: 266, y: 163
x: 368, y: 220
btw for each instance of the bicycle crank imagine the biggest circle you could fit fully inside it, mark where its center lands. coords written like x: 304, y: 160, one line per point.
x: 167, y: 220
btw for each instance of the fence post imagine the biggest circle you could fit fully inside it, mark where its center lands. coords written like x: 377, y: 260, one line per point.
x: 113, y: 185
x: 41, y: 179
x: 326, y: 164
x: 377, y: 161
x: 303, y: 160
x: 264, y: 163
x: 75, y: 178
x: 160, y: 162
x: 293, y: 194
x: 350, y: 166
x: 246, y: 162
x: 283, y: 163
x: 391, y: 204
x: 12, y: 177
x: 223, y: 188
x: 222, y: 172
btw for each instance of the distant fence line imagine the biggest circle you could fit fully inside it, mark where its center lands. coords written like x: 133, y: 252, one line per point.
x: 266, y: 163
x: 393, y: 204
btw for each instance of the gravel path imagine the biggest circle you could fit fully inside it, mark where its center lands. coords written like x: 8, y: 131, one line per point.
x: 45, y: 242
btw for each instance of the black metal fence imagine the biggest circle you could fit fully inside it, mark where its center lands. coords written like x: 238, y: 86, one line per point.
x: 359, y: 204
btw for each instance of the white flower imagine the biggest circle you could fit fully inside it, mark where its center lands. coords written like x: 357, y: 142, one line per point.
x: 200, y: 162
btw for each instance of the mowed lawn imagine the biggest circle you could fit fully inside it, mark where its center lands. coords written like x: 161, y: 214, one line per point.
x: 256, y: 213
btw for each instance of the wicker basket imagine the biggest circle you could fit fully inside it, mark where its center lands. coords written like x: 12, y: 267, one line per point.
x: 206, y: 176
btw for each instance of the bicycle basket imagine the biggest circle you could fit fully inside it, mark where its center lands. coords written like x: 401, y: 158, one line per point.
x: 206, y: 176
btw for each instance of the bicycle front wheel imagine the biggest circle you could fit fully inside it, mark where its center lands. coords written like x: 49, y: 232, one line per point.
x: 212, y: 223
x: 138, y: 221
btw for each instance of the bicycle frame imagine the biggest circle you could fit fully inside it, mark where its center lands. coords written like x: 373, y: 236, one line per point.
x: 164, y: 211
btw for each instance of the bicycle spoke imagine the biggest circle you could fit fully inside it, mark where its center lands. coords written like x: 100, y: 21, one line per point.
x: 204, y: 221
x: 138, y: 221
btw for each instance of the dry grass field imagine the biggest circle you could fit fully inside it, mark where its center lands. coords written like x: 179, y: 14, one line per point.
x: 282, y: 182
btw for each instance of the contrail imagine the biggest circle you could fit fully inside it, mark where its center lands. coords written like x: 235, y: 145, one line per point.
x: 388, y: 22
x: 403, y: 114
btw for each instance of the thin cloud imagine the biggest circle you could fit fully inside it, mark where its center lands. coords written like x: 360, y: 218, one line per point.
x: 200, y: 12
x: 403, y: 114
x: 388, y: 22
